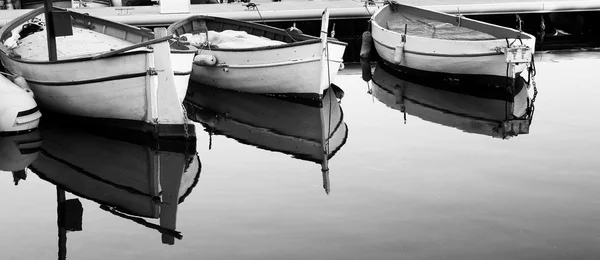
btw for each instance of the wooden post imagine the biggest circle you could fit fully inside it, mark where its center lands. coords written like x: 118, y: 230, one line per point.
x: 50, y: 30
x: 62, y: 232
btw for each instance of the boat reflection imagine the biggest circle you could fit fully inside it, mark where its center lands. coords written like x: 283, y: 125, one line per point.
x: 128, y: 177
x: 17, y: 152
x: 311, y: 132
x: 478, y: 109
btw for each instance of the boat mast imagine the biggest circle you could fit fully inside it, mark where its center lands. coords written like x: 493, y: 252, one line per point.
x: 50, y: 34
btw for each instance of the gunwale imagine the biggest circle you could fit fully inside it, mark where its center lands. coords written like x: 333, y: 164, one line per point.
x: 273, y: 33
x: 500, y: 32
x: 130, y: 33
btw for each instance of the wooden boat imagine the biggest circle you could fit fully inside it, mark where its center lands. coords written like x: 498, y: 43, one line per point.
x: 129, y: 177
x: 307, y: 132
x: 433, y: 44
x: 270, y: 61
x: 476, y: 109
x: 104, y: 70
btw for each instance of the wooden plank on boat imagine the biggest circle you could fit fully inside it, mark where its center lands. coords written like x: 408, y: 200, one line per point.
x: 134, y: 46
x: 169, y: 107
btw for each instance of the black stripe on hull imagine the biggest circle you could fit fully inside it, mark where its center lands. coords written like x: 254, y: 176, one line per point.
x: 28, y: 112
x: 89, y: 81
x: 432, y: 54
x: 180, y: 73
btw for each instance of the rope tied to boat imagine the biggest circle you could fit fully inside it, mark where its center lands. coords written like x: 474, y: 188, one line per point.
x: 458, y: 17
x: 519, y: 23
x: 253, y: 6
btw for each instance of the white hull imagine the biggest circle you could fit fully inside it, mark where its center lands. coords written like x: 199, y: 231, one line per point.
x: 291, y: 70
x: 469, y: 57
x: 81, y: 88
x: 182, y: 70
x: 295, y: 64
x: 133, y: 83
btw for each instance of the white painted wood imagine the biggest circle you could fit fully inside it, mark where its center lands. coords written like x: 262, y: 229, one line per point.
x: 169, y: 106
x: 181, y: 65
x: 325, y: 68
x: 138, y: 85
x: 295, y: 69
x: 482, y: 57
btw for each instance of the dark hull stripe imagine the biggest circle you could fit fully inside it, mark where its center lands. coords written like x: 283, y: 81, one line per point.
x: 90, y: 81
x: 28, y: 112
x: 116, y: 56
x: 443, y: 54
x: 180, y: 73
x: 29, y: 150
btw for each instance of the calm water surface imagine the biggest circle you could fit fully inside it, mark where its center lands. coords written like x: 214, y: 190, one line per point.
x: 419, y: 190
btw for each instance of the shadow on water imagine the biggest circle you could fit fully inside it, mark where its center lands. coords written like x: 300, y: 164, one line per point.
x: 129, y: 177
x: 313, y: 132
x: 479, y: 108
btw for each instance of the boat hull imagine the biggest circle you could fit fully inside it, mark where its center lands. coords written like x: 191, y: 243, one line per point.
x: 134, y: 83
x: 182, y: 70
x: 291, y: 64
x: 465, y: 57
x: 100, y: 88
x: 294, y: 71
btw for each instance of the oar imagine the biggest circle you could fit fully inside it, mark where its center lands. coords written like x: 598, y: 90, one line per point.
x: 135, y: 46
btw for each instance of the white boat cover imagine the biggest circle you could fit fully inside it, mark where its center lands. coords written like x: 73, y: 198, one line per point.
x: 229, y: 39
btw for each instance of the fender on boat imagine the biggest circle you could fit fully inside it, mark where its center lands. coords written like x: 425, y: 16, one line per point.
x: 205, y: 60
x: 18, y: 110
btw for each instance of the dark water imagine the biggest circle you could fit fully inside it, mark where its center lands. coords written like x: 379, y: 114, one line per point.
x: 433, y: 188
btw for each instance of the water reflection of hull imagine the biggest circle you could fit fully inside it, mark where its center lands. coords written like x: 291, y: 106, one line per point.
x: 489, y: 113
x: 18, y: 151
x: 134, y: 178
x: 271, y: 123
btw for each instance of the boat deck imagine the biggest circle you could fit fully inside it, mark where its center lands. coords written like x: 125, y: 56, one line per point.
x: 83, y: 43
x: 428, y: 28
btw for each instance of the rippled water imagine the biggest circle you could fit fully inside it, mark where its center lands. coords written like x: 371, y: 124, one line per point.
x: 430, y: 188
